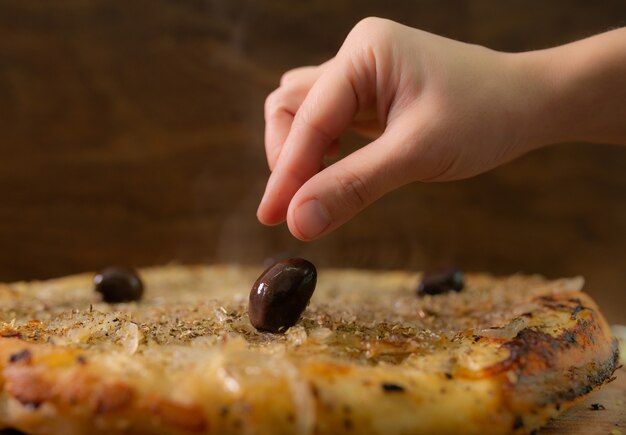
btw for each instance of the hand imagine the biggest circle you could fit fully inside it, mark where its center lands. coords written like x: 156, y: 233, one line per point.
x: 435, y: 109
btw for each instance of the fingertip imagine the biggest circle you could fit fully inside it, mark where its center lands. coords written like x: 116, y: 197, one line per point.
x: 273, y: 206
x: 309, y: 220
x: 267, y: 216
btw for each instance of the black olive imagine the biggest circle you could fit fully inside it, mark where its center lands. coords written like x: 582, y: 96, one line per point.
x: 273, y: 259
x: 388, y: 387
x: 442, y: 281
x: 23, y: 355
x: 281, y: 293
x: 118, y: 284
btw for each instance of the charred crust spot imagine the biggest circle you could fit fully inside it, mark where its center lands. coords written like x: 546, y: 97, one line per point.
x: 584, y: 381
x: 328, y: 405
x: 112, y: 397
x: 10, y: 333
x: 26, y: 385
x: 576, y: 310
x: 448, y: 375
x: 347, y: 423
x: 23, y: 355
x: 550, y: 301
x: 597, y: 407
x: 573, y: 305
x: 389, y: 387
x: 532, y: 350
x: 314, y: 390
x: 529, y: 352
x: 185, y: 417
x: 518, y: 422
x: 569, y: 337
x: 81, y: 359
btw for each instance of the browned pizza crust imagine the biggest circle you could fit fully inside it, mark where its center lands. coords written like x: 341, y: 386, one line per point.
x: 502, y: 356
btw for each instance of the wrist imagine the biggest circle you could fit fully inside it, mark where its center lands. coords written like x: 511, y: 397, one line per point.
x: 541, y: 95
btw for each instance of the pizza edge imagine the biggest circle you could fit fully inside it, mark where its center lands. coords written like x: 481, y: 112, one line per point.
x: 557, y: 371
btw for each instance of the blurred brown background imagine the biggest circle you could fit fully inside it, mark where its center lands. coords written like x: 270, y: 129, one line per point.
x: 132, y: 133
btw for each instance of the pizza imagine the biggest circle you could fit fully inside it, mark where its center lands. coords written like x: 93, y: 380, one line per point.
x: 367, y: 355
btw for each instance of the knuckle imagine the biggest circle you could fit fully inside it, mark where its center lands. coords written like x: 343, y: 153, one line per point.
x: 306, y: 120
x: 367, y: 47
x: 298, y: 76
x: 369, y: 24
x: 372, y: 30
x: 288, y: 76
x: 353, y: 190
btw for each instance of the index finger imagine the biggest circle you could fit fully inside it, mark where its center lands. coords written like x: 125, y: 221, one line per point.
x: 327, y: 110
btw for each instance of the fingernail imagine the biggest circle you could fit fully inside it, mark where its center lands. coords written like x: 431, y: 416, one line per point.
x: 311, y: 218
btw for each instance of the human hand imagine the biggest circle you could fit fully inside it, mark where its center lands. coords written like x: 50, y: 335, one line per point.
x: 435, y: 109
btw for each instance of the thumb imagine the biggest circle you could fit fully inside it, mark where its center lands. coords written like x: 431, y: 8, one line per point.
x: 342, y: 190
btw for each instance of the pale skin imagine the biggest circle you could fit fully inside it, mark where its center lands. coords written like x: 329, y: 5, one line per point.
x: 434, y: 109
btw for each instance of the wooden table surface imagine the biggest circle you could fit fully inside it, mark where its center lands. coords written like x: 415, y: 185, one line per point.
x: 131, y: 132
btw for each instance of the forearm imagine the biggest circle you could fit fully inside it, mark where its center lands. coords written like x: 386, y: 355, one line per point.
x: 581, y: 91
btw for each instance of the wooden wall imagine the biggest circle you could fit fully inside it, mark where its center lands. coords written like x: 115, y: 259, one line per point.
x: 131, y: 132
